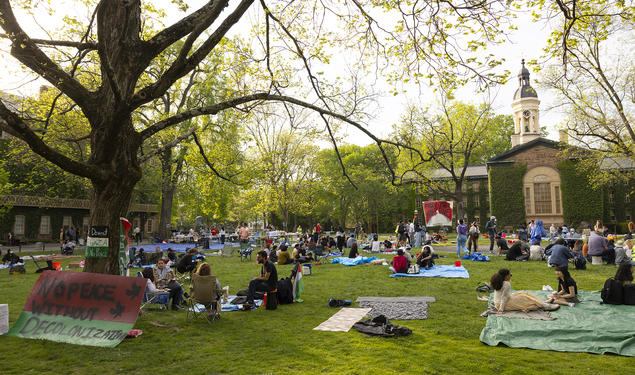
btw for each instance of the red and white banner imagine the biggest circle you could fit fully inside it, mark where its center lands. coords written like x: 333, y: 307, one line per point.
x: 437, y: 213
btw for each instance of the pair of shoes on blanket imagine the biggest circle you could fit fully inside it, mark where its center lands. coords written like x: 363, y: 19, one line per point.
x: 247, y: 306
x: 334, y: 302
x: 549, y: 306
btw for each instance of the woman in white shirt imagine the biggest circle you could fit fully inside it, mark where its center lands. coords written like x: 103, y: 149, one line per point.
x: 505, y: 300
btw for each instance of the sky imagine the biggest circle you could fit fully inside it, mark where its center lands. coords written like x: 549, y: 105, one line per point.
x: 525, y: 43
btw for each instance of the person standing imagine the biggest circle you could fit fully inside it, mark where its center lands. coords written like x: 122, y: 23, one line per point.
x: 473, y: 235
x: 244, y: 236
x: 137, y: 234
x: 461, y: 237
x: 222, y: 235
x: 61, y: 238
x: 491, y: 232
x: 411, y: 232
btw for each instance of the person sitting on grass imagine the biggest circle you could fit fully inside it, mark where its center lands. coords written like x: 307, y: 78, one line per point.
x: 176, y: 295
x: 624, y: 273
x: 375, y: 244
x: 518, y: 249
x: 188, y: 262
x: 171, y: 255
x: 300, y: 255
x: 268, y: 280
x: 505, y: 300
x: 283, y: 255
x: 567, y: 294
x: 560, y: 254
x: 501, y: 244
x: 425, y: 259
x: 536, y: 252
x: 399, y: 263
x: 354, y: 252
x: 140, y: 258
x: 10, y: 258
x: 387, y: 244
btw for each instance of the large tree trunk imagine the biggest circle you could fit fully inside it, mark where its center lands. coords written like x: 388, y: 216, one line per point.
x: 114, y: 152
x: 458, y: 194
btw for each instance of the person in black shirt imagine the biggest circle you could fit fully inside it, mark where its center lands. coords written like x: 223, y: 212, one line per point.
x: 354, y: 252
x: 567, y: 293
x: 267, y: 281
x: 188, y: 262
x: 11, y: 258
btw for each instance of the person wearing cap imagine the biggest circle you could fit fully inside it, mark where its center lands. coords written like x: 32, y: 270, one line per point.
x: 399, y: 263
x: 491, y: 232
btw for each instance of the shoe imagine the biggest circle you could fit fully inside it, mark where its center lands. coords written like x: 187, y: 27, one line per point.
x: 550, y: 307
x: 247, y: 306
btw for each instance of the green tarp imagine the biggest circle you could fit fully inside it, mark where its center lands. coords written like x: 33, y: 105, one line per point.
x: 588, y: 327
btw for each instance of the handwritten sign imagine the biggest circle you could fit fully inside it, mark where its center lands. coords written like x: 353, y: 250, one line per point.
x: 81, y: 308
x: 97, y: 242
x: 437, y: 213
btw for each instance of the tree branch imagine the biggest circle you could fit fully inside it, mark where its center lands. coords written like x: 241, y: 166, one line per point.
x: 16, y: 126
x: 25, y: 50
x: 61, y: 43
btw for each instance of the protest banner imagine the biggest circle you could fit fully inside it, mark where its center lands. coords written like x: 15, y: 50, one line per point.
x: 81, y: 308
x: 97, y: 242
x: 437, y: 213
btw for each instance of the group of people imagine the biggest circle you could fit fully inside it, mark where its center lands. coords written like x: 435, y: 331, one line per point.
x: 566, y: 295
x: 410, y: 233
x: 403, y: 260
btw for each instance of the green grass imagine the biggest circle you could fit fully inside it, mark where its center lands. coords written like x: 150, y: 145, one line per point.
x: 283, y: 342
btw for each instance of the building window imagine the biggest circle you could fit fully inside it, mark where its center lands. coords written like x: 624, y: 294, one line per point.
x: 611, y: 196
x: 476, y: 200
x: 67, y: 221
x: 18, y: 227
x: 556, y: 193
x: 45, y: 225
x: 612, y: 215
x: 542, y: 198
x: 528, y: 200
x: 149, y: 226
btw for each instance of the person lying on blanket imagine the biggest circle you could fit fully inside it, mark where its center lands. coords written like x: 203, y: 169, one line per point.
x: 505, y: 300
x: 567, y: 293
x: 399, y: 263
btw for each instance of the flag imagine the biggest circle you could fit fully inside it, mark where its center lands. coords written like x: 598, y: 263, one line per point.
x: 298, y: 285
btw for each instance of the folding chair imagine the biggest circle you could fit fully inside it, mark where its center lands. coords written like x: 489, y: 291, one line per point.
x: 245, y: 253
x: 206, y: 294
x: 228, y: 250
x: 159, y: 298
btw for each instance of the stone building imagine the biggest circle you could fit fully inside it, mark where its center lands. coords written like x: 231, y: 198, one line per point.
x: 534, y: 180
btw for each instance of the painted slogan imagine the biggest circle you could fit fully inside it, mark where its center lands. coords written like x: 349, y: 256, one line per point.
x: 81, y: 308
x: 97, y: 242
x: 438, y: 213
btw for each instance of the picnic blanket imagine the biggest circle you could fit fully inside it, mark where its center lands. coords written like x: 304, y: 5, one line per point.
x: 352, y: 261
x: 438, y: 271
x: 588, y: 327
x: 536, y: 314
x: 477, y: 257
x: 402, y: 308
x: 343, y: 320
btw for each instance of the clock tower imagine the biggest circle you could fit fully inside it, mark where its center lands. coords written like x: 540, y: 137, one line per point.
x: 526, y: 110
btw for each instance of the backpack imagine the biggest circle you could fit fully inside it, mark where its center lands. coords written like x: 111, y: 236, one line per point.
x: 580, y: 263
x: 285, y: 291
x: 629, y: 294
x: 484, y: 287
x: 612, y: 292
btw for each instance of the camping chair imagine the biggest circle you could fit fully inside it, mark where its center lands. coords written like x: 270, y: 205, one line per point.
x: 228, y: 249
x: 160, y: 298
x: 204, y: 292
x: 245, y: 252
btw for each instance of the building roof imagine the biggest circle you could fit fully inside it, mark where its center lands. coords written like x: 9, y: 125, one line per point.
x: 524, y: 88
x: 524, y: 146
x: 473, y: 172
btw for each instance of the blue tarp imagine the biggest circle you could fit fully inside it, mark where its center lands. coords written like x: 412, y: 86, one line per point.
x: 477, y: 257
x: 438, y: 271
x: 353, y: 261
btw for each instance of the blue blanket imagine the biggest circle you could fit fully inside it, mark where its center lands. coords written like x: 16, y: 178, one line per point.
x: 352, y: 261
x: 334, y: 254
x: 438, y: 271
x: 477, y: 257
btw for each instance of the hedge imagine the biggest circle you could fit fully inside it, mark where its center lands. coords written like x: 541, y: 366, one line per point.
x: 580, y: 201
x: 507, y: 201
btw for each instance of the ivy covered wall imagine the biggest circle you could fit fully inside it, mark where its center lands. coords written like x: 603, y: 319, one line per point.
x: 580, y: 201
x: 507, y: 201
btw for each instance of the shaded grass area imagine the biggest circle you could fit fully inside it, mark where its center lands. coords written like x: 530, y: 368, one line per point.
x: 283, y: 342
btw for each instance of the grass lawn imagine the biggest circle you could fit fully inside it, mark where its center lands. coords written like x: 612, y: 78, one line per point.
x: 283, y: 342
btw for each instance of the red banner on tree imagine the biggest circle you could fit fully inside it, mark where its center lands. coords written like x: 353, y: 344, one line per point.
x: 437, y: 213
x: 81, y: 308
